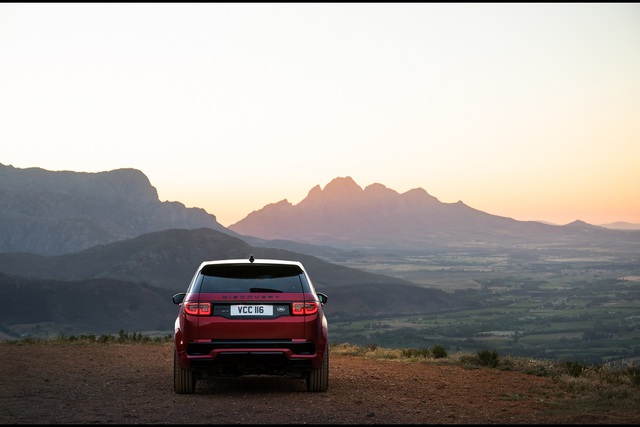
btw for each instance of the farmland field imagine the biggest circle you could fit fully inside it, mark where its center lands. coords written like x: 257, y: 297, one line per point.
x: 547, y: 302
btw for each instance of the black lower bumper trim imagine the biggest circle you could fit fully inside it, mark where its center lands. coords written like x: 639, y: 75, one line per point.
x: 200, y: 348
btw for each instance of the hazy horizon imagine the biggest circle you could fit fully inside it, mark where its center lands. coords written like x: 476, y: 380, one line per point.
x: 528, y: 111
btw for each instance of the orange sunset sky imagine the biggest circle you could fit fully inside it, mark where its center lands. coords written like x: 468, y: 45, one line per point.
x: 530, y: 111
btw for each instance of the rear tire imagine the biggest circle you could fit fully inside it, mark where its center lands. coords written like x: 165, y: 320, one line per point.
x: 184, y: 382
x: 318, y: 380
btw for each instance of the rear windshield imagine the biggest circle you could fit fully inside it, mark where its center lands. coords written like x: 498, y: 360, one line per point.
x: 251, y: 278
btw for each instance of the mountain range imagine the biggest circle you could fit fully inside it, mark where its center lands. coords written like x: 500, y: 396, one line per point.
x: 97, y: 252
x: 345, y: 215
x: 55, y: 212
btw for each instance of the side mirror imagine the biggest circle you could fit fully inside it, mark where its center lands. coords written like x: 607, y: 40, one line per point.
x: 322, y: 297
x: 178, y: 298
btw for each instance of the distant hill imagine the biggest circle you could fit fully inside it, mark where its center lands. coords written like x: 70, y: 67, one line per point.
x: 129, y: 284
x: 621, y: 226
x: 97, y: 306
x: 344, y: 215
x: 55, y: 212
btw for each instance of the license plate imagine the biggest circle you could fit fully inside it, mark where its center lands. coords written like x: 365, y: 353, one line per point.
x: 251, y: 310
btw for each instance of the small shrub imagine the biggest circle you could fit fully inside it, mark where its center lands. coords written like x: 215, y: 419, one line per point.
x: 439, y: 351
x: 468, y: 361
x: 488, y: 358
x: 575, y: 369
x: 105, y: 339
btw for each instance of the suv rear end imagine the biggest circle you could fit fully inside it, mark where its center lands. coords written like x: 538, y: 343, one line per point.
x: 250, y: 317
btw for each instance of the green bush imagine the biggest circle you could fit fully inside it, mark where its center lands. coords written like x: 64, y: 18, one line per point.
x: 439, y: 351
x: 488, y: 358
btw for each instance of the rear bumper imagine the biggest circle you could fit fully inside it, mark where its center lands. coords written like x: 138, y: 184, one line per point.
x: 217, y: 346
x: 241, y: 357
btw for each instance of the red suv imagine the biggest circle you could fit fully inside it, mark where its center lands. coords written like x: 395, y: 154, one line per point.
x: 250, y: 317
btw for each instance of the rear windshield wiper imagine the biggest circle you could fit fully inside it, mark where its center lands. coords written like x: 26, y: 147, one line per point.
x: 264, y: 290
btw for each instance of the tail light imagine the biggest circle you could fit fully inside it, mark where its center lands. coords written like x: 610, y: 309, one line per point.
x: 305, y: 308
x: 204, y: 308
x: 198, y: 308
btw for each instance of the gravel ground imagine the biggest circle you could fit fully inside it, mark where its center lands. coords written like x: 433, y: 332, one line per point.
x: 79, y: 383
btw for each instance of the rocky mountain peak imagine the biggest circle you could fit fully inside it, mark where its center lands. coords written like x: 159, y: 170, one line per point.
x: 340, y: 191
x: 344, y: 215
x: 55, y: 212
x: 342, y: 185
x: 419, y: 195
x: 377, y: 190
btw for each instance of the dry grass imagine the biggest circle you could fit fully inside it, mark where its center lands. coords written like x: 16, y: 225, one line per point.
x: 598, y: 387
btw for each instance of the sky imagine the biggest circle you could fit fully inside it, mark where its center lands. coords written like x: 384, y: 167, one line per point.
x: 524, y: 110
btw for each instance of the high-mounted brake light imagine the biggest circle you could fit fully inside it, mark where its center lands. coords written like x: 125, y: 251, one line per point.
x: 304, y: 308
x: 198, y: 308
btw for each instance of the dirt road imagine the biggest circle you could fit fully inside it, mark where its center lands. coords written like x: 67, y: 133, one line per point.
x: 132, y: 383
